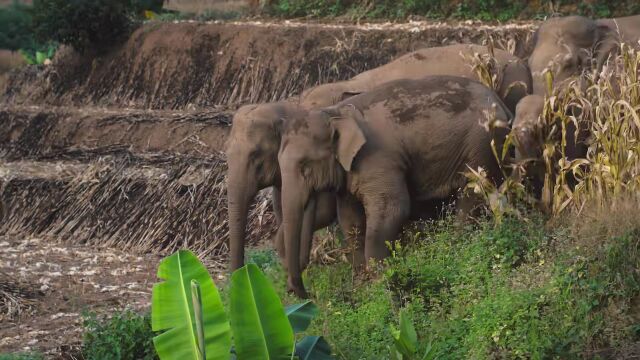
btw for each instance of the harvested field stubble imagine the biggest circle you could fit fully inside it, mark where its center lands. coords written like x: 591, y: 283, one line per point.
x: 155, y: 205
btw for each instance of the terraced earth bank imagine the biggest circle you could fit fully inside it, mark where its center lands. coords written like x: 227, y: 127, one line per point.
x: 119, y: 154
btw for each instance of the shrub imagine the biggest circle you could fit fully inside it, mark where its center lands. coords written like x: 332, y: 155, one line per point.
x: 21, y: 356
x: 15, y: 28
x: 83, y: 24
x: 125, y: 335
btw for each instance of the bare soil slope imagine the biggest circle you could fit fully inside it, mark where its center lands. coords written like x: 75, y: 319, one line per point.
x: 195, y: 65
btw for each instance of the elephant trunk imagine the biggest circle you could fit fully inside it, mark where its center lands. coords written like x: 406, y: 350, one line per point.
x: 295, y: 209
x: 240, y: 192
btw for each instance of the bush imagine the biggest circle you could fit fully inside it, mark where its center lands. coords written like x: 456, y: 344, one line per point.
x: 83, y: 24
x: 126, y: 335
x: 484, y: 292
x: 15, y: 28
x: 21, y: 356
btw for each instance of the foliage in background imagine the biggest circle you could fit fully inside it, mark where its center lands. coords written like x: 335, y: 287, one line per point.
x: 501, y: 10
x: 188, y: 308
x: 125, y: 335
x: 15, y: 28
x: 85, y: 24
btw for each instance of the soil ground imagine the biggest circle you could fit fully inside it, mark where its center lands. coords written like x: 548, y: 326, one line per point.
x: 55, y: 283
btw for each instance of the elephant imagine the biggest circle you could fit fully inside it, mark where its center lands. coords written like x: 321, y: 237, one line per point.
x: 526, y: 128
x: 251, y: 150
x: 382, y: 151
x: 445, y: 60
x: 255, y: 130
x: 571, y: 44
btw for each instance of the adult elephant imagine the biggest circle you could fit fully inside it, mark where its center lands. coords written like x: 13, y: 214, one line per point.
x: 514, y: 84
x: 255, y: 132
x: 406, y: 141
x: 569, y: 45
x: 252, y: 158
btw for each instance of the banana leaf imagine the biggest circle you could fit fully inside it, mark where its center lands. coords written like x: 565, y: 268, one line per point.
x: 172, y: 311
x: 313, y: 348
x: 300, y: 315
x: 260, y: 327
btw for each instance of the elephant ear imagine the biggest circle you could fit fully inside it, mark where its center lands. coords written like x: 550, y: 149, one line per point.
x: 347, y: 134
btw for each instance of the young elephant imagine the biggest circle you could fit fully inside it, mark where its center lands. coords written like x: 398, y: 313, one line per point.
x: 405, y: 142
x: 527, y: 126
x: 252, y: 157
x: 444, y: 60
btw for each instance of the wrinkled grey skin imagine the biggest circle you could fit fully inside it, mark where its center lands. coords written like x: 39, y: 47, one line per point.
x: 405, y: 142
x: 443, y: 60
x: 529, y: 142
x: 569, y: 45
x: 252, y: 157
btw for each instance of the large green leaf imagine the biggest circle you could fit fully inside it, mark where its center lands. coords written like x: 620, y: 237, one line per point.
x: 300, y: 315
x: 313, y: 348
x: 172, y: 310
x: 260, y: 327
x: 405, y: 339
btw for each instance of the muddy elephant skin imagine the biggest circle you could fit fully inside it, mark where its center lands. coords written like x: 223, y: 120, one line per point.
x: 406, y: 141
x: 444, y: 60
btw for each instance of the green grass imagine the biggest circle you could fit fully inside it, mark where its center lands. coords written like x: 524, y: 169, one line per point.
x: 124, y: 335
x: 517, y: 291
x: 21, y: 356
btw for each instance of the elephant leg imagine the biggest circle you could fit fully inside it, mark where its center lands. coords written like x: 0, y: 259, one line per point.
x: 278, y: 239
x: 352, y: 222
x: 325, y: 215
x: 386, y: 212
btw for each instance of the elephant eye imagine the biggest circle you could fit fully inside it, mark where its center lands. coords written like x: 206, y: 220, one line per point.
x: 305, y: 168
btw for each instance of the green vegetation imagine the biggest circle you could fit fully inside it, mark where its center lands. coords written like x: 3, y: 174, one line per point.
x: 501, y: 10
x: 21, y: 356
x: 15, y: 28
x: 124, y: 335
x: 83, y: 24
x: 513, y: 291
x: 187, y: 308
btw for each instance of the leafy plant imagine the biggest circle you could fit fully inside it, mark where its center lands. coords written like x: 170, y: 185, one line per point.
x: 172, y: 310
x: 83, y: 24
x: 187, y: 305
x: 125, y: 335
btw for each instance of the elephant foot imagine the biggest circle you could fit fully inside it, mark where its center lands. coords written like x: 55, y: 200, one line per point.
x: 295, y: 286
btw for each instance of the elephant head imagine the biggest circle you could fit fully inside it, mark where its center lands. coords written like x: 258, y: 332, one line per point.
x: 563, y: 46
x: 315, y: 154
x: 527, y: 128
x: 252, y: 157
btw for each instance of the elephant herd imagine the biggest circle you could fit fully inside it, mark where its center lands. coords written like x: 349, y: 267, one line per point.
x: 392, y: 143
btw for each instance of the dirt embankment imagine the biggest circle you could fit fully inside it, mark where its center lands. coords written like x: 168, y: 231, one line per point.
x: 195, y: 65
